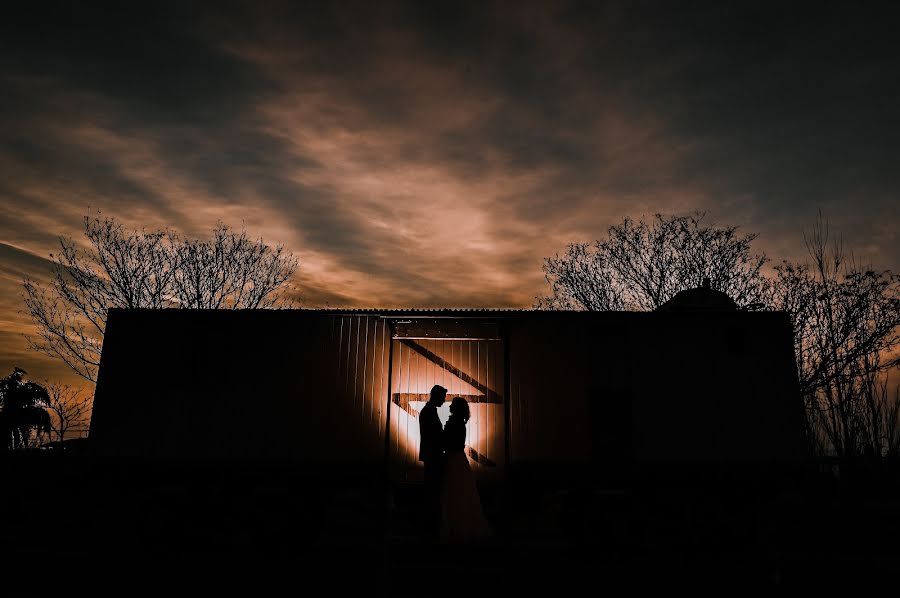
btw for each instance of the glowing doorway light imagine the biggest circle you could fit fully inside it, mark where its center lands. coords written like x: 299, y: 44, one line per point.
x: 416, y: 387
x: 405, y: 426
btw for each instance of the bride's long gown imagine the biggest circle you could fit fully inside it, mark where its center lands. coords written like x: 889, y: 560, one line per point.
x: 462, y: 518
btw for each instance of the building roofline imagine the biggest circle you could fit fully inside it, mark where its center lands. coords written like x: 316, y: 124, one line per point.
x: 395, y: 312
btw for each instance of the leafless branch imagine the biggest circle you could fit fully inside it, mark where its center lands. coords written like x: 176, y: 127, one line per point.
x: 128, y: 269
x: 70, y: 409
x: 641, y: 265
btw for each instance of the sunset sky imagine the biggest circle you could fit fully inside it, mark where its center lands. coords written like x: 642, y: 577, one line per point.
x: 431, y: 154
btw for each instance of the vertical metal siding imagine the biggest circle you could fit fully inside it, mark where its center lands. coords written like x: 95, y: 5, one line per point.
x: 552, y: 377
x: 349, y: 361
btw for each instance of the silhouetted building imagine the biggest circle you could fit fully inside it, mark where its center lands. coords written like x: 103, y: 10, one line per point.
x: 703, y: 298
x: 696, y: 382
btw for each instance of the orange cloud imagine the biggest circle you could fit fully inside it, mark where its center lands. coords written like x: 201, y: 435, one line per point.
x: 429, y: 156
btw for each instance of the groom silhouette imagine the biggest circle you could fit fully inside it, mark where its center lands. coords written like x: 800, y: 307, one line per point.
x: 431, y: 452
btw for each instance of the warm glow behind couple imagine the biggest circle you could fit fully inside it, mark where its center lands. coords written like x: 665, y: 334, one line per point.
x: 453, y: 506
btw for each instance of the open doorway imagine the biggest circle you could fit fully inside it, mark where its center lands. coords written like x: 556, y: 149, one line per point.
x: 467, y: 358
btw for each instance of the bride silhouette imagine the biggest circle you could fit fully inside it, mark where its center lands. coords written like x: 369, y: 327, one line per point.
x: 462, y: 519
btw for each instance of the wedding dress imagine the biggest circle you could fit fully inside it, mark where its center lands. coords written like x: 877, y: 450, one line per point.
x: 462, y: 518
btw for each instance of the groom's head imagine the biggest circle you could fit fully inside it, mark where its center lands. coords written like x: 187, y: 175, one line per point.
x: 438, y: 394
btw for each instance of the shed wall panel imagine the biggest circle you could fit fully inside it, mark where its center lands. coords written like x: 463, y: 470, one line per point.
x: 599, y: 389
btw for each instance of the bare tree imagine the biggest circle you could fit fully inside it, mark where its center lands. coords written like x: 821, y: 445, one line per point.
x: 881, y: 409
x: 127, y: 269
x: 230, y: 271
x: 845, y: 317
x: 846, y: 321
x: 138, y: 269
x: 70, y: 409
x: 641, y: 265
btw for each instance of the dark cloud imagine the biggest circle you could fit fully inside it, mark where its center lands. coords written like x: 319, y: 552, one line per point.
x: 18, y: 264
x: 148, y: 58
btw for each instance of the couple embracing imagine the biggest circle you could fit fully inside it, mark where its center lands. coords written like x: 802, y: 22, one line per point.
x: 453, y: 506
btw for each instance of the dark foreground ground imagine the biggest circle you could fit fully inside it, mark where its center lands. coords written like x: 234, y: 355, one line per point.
x: 72, y: 524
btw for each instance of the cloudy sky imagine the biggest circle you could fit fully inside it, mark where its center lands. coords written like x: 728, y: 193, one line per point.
x: 432, y: 153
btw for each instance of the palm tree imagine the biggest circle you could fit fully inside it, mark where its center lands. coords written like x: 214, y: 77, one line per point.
x: 22, y: 410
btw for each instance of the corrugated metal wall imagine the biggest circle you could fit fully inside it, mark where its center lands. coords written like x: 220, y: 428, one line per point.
x: 600, y: 388
x: 353, y: 355
x: 282, y: 384
x: 551, y: 374
x: 299, y: 385
x: 472, y: 369
x: 614, y: 389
